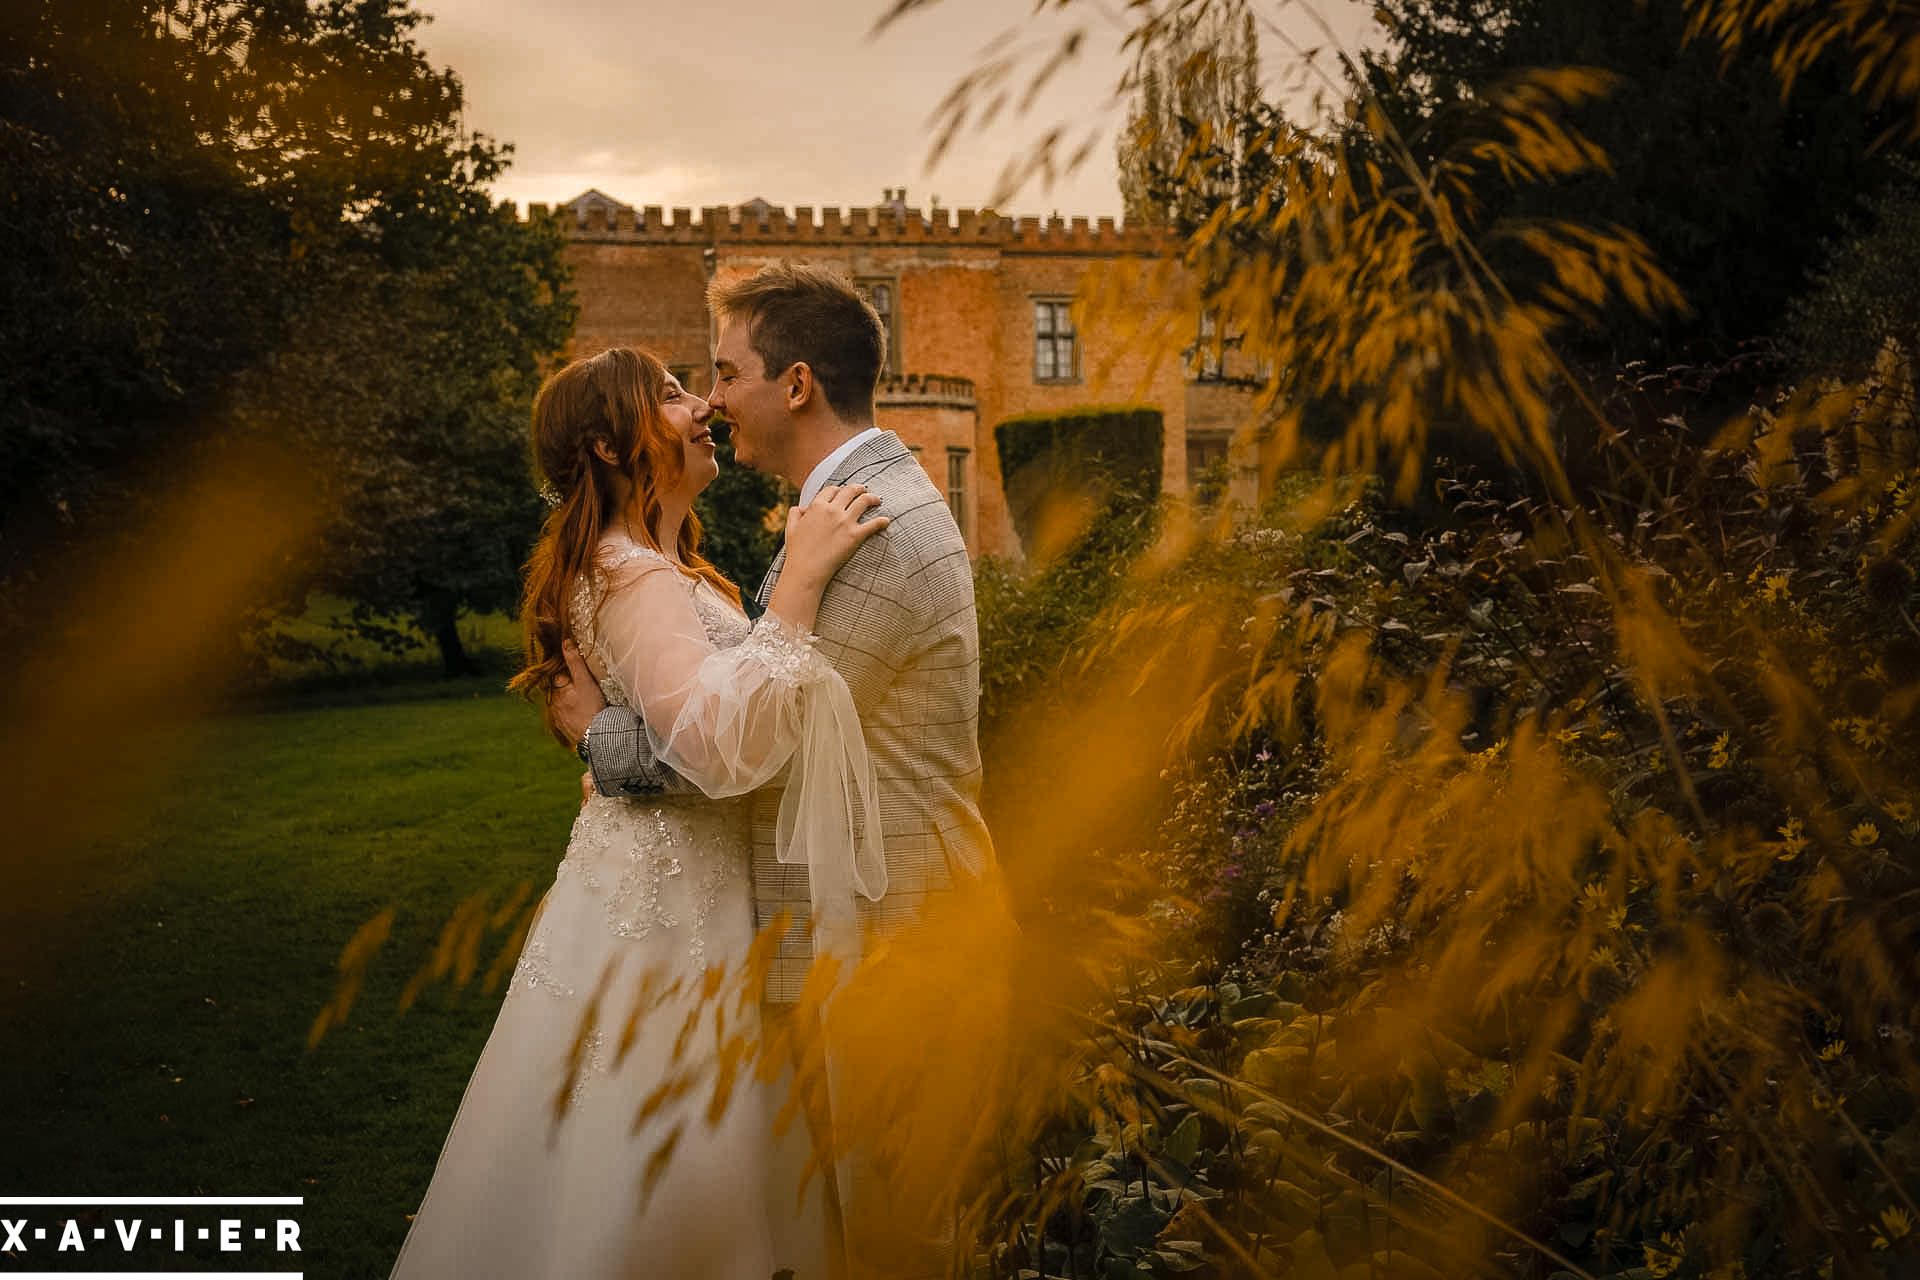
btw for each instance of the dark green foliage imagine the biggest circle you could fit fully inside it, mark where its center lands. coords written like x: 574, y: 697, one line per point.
x: 735, y: 514
x: 1097, y: 452
x: 1030, y: 621
x: 260, y: 221
x: 1733, y: 188
x: 1123, y: 440
x: 1866, y: 292
x: 1300, y: 1011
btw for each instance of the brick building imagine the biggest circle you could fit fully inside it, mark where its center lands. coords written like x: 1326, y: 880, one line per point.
x: 978, y: 319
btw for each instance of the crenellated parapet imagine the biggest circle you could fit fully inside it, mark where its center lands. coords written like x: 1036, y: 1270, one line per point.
x: 761, y: 224
x: 935, y: 390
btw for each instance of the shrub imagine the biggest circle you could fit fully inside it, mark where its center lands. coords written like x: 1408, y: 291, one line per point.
x: 1098, y: 453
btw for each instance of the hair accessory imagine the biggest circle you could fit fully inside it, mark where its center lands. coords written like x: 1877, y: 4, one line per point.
x: 549, y: 495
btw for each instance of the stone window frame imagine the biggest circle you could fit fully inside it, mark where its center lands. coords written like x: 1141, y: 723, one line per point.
x: 956, y: 490
x: 889, y: 315
x: 1208, y: 357
x: 1057, y: 309
x: 1208, y: 361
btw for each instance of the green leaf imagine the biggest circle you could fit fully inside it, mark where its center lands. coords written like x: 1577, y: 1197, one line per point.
x: 1183, y: 1144
x: 1181, y: 1255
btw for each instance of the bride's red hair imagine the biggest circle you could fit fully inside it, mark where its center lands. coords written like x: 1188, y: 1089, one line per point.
x: 613, y: 397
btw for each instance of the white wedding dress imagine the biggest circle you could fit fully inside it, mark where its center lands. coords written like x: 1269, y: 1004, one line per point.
x: 634, y: 1176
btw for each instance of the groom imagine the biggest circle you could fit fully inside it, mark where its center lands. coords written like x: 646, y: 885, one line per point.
x: 797, y: 359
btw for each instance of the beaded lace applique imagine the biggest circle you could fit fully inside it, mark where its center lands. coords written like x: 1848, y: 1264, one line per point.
x: 626, y: 853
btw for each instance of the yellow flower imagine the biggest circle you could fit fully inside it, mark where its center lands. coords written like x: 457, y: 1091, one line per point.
x: 1895, y: 1224
x: 1593, y: 896
x: 1863, y: 836
x: 1834, y: 1052
x: 1722, y: 752
x: 1663, y: 1259
x: 1823, y: 672
x: 1901, y: 811
x: 1792, y: 840
x: 1566, y: 737
x: 1617, y: 919
x: 1869, y: 733
x: 1775, y: 588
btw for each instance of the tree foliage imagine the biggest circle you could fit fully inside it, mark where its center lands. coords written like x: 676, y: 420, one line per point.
x: 742, y: 515
x: 1866, y: 290
x: 1199, y: 92
x: 1731, y: 179
x: 265, y: 219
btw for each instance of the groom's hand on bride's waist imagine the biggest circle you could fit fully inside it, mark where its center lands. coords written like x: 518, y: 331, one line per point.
x: 619, y: 759
x: 576, y: 698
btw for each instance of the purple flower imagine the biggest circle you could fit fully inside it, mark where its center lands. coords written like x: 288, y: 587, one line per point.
x: 1264, y: 809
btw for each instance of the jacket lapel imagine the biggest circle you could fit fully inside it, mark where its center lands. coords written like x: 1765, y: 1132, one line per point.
x: 773, y: 575
x: 884, y: 447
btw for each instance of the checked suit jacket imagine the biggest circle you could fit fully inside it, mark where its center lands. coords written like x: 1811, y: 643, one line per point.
x: 898, y: 623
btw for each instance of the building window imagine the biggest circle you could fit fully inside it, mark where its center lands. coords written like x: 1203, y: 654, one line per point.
x: 1209, y: 353
x: 882, y: 294
x: 1207, y: 466
x: 1056, y: 351
x: 957, y: 487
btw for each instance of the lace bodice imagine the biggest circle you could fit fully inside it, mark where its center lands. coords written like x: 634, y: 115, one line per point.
x: 731, y: 707
x: 725, y: 624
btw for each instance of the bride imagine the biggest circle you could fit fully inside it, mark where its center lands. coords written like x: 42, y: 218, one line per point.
x: 614, y: 1126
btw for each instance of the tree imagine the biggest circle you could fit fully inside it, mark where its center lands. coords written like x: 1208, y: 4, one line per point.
x: 1733, y: 187
x: 739, y: 516
x: 1866, y: 292
x: 1198, y: 90
x: 264, y: 218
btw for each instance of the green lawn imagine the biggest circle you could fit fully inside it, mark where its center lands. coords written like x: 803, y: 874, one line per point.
x: 167, y: 1055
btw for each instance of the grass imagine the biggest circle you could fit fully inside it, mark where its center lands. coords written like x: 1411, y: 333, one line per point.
x: 165, y: 1053
x: 326, y: 655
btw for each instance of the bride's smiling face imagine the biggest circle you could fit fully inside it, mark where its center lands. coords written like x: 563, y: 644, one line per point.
x: 690, y: 419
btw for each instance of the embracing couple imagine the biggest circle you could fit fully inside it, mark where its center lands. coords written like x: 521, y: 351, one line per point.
x: 818, y: 763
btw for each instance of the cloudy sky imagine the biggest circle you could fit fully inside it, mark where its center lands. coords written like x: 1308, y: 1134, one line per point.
x: 670, y: 103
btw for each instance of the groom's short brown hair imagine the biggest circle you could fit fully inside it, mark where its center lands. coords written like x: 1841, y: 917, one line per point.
x: 796, y: 313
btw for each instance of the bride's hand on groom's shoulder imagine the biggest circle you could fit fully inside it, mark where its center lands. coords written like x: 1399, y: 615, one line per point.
x: 824, y: 533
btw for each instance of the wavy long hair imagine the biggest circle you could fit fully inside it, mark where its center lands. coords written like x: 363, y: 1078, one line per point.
x: 613, y: 397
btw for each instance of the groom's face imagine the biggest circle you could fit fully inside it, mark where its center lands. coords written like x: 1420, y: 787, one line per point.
x: 752, y: 400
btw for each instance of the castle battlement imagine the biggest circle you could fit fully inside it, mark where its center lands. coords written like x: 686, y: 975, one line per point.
x: 935, y: 389
x: 605, y: 221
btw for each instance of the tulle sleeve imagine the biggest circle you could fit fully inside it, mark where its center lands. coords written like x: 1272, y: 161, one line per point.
x: 729, y: 720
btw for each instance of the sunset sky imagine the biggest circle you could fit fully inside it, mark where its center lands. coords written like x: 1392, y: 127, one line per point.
x: 691, y: 105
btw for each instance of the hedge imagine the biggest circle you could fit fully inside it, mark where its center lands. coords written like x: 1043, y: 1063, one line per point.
x: 1112, y: 448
